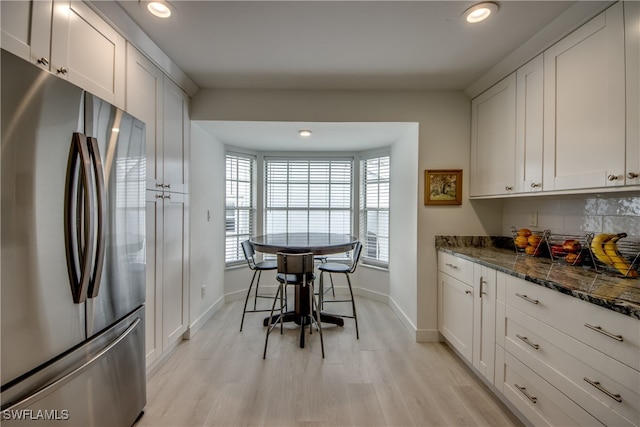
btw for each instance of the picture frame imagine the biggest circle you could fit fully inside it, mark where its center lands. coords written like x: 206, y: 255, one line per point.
x: 443, y: 187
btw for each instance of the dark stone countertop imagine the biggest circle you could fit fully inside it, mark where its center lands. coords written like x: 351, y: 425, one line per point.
x: 609, y: 291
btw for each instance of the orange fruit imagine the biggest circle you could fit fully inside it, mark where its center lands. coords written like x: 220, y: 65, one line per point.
x: 532, y: 250
x: 521, y: 242
x: 524, y: 232
x: 534, y: 240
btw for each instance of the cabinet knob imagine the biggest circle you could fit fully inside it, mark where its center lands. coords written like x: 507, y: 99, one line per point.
x: 535, y: 185
x: 43, y: 61
x: 61, y: 70
x: 508, y: 188
x: 613, y: 177
x: 632, y: 175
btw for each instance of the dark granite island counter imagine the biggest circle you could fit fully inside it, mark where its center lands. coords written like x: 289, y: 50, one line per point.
x: 615, y: 293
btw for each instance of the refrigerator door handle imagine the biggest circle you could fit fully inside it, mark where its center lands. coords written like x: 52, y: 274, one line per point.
x: 69, y: 376
x: 98, y: 172
x: 79, y: 240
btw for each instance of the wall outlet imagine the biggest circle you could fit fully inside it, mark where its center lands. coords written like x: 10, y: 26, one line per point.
x: 203, y: 291
x: 533, y: 219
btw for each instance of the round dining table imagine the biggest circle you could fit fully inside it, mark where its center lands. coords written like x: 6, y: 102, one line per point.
x: 319, y: 244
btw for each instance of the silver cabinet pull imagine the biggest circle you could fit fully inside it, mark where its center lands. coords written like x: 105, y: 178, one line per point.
x: 523, y: 390
x: 603, y: 332
x: 526, y: 298
x: 613, y: 177
x: 482, y: 283
x: 597, y: 385
x: 632, y: 175
x: 62, y: 70
x: 526, y: 341
x: 508, y: 187
x: 43, y: 61
x: 451, y: 265
x: 467, y: 291
x: 536, y: 185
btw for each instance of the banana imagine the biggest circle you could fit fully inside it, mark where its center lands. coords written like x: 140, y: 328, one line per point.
x: 597, y: 247
x: 619, y: 262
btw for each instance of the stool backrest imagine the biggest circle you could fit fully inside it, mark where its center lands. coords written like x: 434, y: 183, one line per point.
x: 249, y: 253
x: 356, y: 256
x: 300, y: 264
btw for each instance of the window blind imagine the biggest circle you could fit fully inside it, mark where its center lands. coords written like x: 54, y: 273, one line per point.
x: 240, y: 204
x: 374, y: 210
x: 308, y: 195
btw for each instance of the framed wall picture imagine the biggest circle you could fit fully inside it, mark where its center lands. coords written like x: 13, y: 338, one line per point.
x: 443, y: 187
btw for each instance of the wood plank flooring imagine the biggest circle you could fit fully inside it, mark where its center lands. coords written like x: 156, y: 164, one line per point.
x: 218, y: 377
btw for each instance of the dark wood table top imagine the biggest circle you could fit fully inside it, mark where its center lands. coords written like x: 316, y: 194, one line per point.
x: 318, y: 243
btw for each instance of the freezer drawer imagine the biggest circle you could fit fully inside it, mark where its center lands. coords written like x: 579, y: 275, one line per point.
x: 101, y: 383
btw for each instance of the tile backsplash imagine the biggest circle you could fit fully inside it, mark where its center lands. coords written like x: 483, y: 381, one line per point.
x: 575, y: 214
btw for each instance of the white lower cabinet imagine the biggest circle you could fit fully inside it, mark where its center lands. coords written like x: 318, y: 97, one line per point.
x: 535, y: 398
x: 455, y: 317
x: 167, y: 313
x: 484, y: 320
x: 558, y: 360
x: 466, y: 314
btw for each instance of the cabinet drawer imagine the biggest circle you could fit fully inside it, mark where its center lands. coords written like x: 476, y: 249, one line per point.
x: 455, y: 267
x: 538, y: 400
x: 569, y: 365
x: 612, y: 333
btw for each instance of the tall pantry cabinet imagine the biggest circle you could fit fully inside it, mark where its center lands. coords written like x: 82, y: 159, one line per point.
x: 163, y: 106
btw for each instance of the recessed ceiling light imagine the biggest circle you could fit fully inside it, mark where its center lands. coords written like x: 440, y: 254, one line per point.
x: 479, y: 12
x: 304, y: 132
x: 159, y: 8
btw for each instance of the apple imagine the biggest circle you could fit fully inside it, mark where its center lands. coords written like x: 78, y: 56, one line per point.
x: 571, y: 245
x: 557, y: 251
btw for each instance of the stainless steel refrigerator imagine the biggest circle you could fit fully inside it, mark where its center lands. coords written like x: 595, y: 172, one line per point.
x: 73, y: 254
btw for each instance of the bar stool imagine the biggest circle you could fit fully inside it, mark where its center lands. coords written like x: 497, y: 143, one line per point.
x: 347, y: 270
x: 296, y: 269
x: 258, y: 268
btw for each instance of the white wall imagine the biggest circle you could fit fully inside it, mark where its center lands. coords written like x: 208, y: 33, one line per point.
x: 443, y: 119
x: 207, y: 233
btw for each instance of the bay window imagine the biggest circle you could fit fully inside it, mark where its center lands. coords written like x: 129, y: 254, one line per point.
x: 374, y: 210
x: 240, y: 204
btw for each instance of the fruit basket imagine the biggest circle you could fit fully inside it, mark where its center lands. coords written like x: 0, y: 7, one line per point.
x: 527, y: 242
x: 612, y: 254
x: 570, y: 249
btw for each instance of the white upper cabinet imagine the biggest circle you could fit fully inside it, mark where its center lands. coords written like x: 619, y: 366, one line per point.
x: 26, y: 29
x: 632, y: 43
x: 175, y: 171
x: 493, y: 134
x: 584, y: 106
x: 87, y: 51
x: 529, y: 126
x: 145, y: 92
x: 70, y: 40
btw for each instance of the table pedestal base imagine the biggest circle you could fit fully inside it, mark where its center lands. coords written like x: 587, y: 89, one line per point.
x: 292, y: 316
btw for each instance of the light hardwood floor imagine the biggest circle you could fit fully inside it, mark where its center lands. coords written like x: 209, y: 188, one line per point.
x: 218, y: 377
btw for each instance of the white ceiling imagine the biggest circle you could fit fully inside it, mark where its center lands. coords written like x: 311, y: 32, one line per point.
x: 336, y: 45
x: 339, y: 44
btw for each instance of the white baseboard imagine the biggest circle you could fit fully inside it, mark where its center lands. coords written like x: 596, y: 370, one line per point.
x: 204, y: 317
x: 427, y: 335
x: 404, y: 319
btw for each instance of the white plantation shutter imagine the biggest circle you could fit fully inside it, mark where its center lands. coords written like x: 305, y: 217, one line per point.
x: 240, y: 204
x: 374, y: 210
x: 308, y: 195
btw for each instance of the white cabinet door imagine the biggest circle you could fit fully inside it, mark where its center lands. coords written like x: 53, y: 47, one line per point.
x: 484, y: 320
x: 176, y: 138
x: 493, y: 133
x: 455, y: 313
x: 529, y: 126
x: 632, y: 43
x: 87, y: 51
x: 584, y: 106
x: 145, y: 93
x: 153, y: 309
x: 175, y: 295
x: 26, y: 29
